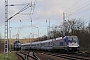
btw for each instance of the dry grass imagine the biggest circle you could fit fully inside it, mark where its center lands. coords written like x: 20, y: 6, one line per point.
x: 11, y: 41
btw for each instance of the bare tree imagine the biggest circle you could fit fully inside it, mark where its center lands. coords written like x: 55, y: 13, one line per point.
x: 88, y: 27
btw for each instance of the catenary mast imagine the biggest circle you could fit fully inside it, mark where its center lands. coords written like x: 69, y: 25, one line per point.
x: 6, y: 31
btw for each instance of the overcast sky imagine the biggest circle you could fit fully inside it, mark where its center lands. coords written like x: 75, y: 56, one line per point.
x: 44, y: 10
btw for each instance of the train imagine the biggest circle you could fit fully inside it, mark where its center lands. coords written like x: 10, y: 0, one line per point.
x: 17, y: 45
x: 60, y: 44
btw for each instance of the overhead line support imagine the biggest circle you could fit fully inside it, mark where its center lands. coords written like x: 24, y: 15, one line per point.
x: 6, y: 31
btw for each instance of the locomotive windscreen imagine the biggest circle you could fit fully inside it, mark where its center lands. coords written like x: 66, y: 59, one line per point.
x: 72, y: 39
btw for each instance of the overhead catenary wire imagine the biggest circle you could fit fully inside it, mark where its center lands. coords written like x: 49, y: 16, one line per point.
x: 17, y: 4
x: 26, y: 7
x: 85, y: 14
x: 33, y: 5
x: 27, y: 14
x: 26, y: 21
x: 72, y: 6
x: 79, y: 9
x: 23, y: 25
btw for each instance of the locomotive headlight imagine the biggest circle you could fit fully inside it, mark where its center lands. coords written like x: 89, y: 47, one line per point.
x: 68, y: 45
x: 78, y: 45
x: 70, y: 48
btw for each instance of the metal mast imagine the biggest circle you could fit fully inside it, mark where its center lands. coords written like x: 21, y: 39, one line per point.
x: 6, y: 25
x: 63, y: 32
x: 6, y: 31
x: 0, y: 37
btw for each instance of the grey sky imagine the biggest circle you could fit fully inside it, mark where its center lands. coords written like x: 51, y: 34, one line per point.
x: 44, y: 9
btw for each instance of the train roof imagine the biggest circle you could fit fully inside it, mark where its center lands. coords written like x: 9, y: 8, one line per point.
x: 25, y: 44
x: 36, y: 42
x: 59, y: 38
x: 17, y: 41
x: 47, y: 40
x: 31, y: 43
x: 70, y: 37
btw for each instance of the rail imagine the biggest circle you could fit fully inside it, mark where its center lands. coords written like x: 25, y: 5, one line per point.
x: 26, y: 56
x: 68, y: 56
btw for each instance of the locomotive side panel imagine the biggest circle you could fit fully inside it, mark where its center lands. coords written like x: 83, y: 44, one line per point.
x: 46, y: 45
x: 59, y: 44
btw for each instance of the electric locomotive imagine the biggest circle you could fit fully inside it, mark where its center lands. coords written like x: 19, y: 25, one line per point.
x: 17, y: 45
x: 65, y: 44
x: 72, y: 43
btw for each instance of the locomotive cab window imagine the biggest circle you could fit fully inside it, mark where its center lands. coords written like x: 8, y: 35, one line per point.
x: 72, y: 40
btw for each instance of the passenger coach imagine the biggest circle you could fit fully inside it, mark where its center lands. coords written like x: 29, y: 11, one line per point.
x: 67, y: 43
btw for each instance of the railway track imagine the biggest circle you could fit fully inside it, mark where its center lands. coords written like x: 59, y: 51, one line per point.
x: 20, y: 55
x: 67, y: 56
x: 27, y: 56
x: 84, y: 54
x: 72, y: 57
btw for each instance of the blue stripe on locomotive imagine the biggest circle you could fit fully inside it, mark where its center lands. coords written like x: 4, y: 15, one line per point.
x: 78, y: 40
x: 66, y: 38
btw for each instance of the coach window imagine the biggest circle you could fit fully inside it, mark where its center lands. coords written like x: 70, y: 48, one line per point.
x: 49, y: 43
x: 65, y: 40
x: 44, y: 44
x: 37, y: 44
x: 41, y: 44
x: 32, y: 44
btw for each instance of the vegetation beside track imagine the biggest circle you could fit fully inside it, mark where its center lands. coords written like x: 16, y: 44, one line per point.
x: 11, y: 56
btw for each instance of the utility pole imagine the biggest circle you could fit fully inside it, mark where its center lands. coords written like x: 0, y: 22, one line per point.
x: 38, y: 34
x: 6, y: 31
x: 6, y: 25
x: 63, y: 24
x: 30, y: 40
x: 49, y: 28
x: 17, y: 35
x: 63, y: 16
x: 9, y: 30
x: 0, y: 37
